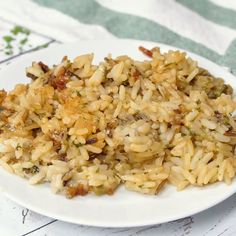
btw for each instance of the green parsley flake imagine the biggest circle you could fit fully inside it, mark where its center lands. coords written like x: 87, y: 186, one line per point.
x: 24, y: 41
x: 19, y: 29
x: 8, y: 39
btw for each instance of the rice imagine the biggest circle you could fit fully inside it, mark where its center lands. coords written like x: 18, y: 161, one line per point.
x: 88, y: 128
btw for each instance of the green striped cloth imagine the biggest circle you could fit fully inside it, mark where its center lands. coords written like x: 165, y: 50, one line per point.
x: 205, y: 27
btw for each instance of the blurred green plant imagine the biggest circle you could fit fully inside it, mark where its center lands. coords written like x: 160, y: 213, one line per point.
x: 12, y: 37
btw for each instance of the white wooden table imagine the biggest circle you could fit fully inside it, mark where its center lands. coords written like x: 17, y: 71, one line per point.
x: 16, y: 220
x: 217, y: 221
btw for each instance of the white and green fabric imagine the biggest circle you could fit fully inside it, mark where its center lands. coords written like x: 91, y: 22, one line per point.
x: 205, y: 27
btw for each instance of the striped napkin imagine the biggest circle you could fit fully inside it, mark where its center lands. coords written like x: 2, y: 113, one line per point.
x: 205, y: 27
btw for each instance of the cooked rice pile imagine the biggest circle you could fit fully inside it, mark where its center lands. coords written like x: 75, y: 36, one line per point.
x: 86, y: 128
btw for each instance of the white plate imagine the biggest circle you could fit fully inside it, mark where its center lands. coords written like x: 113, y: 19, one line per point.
x: 123, y: 209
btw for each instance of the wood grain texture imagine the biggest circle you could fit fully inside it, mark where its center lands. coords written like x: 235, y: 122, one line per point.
x: 216, y: 221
